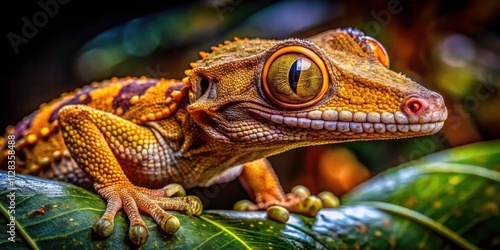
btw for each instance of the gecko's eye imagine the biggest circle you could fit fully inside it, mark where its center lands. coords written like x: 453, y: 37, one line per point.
x: 294, y: 77
x: 379, y: 51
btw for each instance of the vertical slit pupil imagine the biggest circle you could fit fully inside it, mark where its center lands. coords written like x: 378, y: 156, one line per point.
x: 301, y: 64
x: 294, y: 75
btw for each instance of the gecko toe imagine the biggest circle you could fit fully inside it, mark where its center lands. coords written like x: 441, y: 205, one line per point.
x: 244, y: 205
x: 299, y: 200
x: 134, y: 199
x: 138, y: 234
x: 170, y: 224
x: 278, y: 213
x: 174, y: 190
x: 301, y: 191
x: 104, y: 227
x: 309, y: 206
x: 328, y: 199
x: 195, y: 206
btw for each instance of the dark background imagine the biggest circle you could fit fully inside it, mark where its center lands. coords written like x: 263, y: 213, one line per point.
x: 451, y: 47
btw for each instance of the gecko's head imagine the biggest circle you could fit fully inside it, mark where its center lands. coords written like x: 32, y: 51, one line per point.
x: 335, y: 86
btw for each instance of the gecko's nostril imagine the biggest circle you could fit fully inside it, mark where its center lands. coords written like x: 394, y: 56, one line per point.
x: 414, y: 105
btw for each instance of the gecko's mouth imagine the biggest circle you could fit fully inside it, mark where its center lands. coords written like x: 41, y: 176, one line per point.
x: 348, y: 123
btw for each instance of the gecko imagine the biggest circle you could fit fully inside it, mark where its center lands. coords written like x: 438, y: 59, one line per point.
x: 140, y: 142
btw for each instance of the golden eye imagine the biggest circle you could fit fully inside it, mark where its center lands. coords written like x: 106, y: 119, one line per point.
x: 379, y: 51
x: 294, y: 77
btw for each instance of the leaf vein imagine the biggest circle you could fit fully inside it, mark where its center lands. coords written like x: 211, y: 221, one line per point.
x: 226, y: 230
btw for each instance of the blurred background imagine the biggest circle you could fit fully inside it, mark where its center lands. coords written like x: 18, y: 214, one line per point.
x: 452, y: 47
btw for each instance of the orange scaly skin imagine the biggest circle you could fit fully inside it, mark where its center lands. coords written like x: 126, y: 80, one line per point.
x: 246, y: 100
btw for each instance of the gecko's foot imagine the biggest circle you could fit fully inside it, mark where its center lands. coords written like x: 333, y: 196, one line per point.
x: 298, y: 201
x: 151, y: 201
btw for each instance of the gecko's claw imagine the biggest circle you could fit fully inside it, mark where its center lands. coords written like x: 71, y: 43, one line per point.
x: 301, y: 191
x: 278, y: 213
x: 170, y: 224
x: 328, y: 199
x: 174, y: 190
x: 244, y: 205
x: 138, y: 234
x: 308, y: 206
x: 104, y: 227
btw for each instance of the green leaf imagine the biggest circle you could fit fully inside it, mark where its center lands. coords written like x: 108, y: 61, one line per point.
x: 71, y: 211
x: 443, y: 201
x: 454, y: 193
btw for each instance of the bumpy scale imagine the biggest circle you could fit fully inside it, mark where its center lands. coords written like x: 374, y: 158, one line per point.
x: 246, y: 100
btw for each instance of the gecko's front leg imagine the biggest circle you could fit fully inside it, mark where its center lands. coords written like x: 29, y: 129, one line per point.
x: 261, y: 182
x: 95, y: 140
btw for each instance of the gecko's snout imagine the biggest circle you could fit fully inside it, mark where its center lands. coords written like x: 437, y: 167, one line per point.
x: 414, y: 105
x: 425, y: 108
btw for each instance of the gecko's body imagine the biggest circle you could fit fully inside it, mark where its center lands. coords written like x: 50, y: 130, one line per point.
x: 246, y: 100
